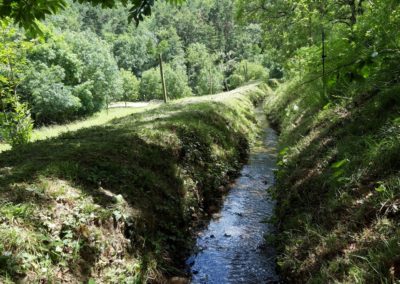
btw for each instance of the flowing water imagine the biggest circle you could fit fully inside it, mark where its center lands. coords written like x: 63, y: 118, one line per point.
x: 232, y: 249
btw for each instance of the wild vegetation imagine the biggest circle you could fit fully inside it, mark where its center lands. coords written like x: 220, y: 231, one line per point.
x: 338, y: 111
x: 84, y: 58
x: 116, y: 203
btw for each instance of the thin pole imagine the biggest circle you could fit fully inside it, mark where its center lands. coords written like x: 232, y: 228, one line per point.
x: 323, y: 62
x: 163, y: 80
x: 211, y: 82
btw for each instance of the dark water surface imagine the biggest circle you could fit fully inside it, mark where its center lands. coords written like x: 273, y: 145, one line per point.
x: 232, y: 248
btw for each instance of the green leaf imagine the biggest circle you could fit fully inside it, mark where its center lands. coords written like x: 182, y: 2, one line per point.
x: 284, y: 151
x: 340, y: 164
x: 365, y: 71
x: 381, y: 187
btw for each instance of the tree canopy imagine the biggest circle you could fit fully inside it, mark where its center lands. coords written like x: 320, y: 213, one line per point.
x: 27, y: 12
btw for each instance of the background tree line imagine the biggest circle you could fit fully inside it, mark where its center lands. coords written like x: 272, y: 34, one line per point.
x: 86, y: 57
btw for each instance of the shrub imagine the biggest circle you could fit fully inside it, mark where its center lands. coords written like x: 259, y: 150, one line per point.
x: 247, y: 71
x: 175, y: 79
x: 204, y: 76
x: 51, y: 100
x: 15, y: 121
x: 130, y: 86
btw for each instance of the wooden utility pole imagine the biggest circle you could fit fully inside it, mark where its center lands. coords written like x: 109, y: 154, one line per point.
x: 323, y: 62
x: 323, y: 50
x: 164, y: 87
x: 211, y: 81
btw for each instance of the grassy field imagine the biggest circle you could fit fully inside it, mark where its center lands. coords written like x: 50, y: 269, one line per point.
x: 97, y: 119
x: 117, y: 202
x: 338, y: 184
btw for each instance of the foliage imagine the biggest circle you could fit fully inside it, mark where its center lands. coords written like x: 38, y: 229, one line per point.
x: 338, y: 175
x: 72, y: 68
x: 78, y: 203
x: 176, y: 81
x: 15, y: 120
x: 247, y: 71
x: 204, y: 76
x: 132, y: 53
x: 26, y: 13
x: 130, y: 86
x: 70, y: 75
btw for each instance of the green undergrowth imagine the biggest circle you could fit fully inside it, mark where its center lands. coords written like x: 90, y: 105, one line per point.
x: 117, y: 203
x: 338, y: 182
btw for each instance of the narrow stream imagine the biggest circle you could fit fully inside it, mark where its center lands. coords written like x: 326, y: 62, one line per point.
x: 232, y: 248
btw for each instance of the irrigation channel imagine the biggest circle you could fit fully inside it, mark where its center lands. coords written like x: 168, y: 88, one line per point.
x: 232, y: 248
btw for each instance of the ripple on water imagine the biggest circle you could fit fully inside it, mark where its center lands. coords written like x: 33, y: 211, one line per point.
x: 232, y: 248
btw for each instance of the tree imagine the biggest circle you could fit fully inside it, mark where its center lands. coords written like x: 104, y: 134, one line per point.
x: 131, y: 52
x: 130, y: 86
x: 176, y: 81
x: 205, y: 77
x: 25, y: 13
x: 51, y: 100
x: 15, y: 119
x: 247, y: 71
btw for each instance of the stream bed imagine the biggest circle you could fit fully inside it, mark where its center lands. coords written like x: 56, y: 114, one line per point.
x: 232, y: 248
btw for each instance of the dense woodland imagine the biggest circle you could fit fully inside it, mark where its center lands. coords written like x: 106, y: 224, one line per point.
x: 333, y: 72
x: 86, y: 57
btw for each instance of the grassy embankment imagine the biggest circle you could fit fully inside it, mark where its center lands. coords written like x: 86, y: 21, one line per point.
x: 116, y: 203
x: 99, y: 118
x: 338, y: 183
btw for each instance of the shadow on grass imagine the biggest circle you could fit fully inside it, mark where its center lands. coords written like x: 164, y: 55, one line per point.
x: 145, y: 171
x: 324, y: 214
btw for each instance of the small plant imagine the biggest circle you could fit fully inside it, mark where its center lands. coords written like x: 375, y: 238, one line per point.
x: 16, y: 124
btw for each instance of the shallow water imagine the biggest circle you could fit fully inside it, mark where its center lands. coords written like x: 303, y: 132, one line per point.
x: 232, y: 248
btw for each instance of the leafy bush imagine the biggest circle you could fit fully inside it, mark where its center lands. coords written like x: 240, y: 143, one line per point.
x: 51, y: 100
x: 247, y: 71
x: 99, y: 66
x: 204, y: 76
x: 69, y: 75
x: 175, y: 79
x: 15, y: 121
x: 130, y: 86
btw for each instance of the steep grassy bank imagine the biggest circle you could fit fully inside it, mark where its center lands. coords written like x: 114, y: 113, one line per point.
x: 116, y: 203
x: 338, y: 182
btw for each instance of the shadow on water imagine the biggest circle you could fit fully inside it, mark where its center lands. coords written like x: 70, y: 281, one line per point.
x: 232, y: 249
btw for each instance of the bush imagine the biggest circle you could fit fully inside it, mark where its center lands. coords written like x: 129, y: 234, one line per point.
x: 204, y: 76
x: 236, y: 80
x: 247, y: 71
x: 130, y: 86
x: 15, y: 121
x: 70, y: 75
x: 51, y: 100
x: 176, y: 81
x: 99, y: 66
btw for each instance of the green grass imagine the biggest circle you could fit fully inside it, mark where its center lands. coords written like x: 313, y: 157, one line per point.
x: 338, y: 184
x: 118, y: 202
x: 99, y: 118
